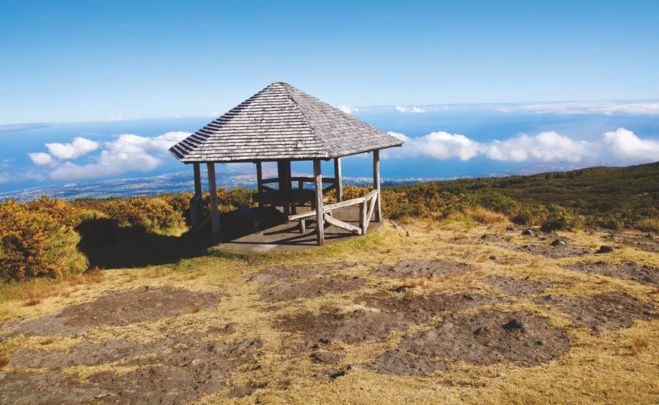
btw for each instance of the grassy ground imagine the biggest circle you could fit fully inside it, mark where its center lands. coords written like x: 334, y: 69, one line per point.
x: 605, y: 365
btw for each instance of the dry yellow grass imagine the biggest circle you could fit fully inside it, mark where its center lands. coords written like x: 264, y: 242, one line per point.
x: 618, y: 366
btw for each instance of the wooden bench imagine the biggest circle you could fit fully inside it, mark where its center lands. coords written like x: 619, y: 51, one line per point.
x: 366, y: 208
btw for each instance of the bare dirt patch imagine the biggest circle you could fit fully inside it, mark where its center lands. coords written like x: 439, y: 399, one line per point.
x: 518, y: 287
x: 607, y: 311
x: 489, y: 337
x: 627, y: 271
x: 421, y: 308
x: 334, y: 325
x: 90, y: 354
x: 420, y: 268
x: 184, y: 374
x: 177, y: 369
x: 45, y: 388
x: 647, y: 242
x: 554, y: 250
x: 292, y: 273
x: 313, y: 288
x: 120, y: 308
x: 488, y: 238
x: 392, y: 313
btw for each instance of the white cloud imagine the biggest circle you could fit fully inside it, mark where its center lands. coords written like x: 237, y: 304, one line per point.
x: 4, y: 177
x: 625, y: 143
x: 439, y: 145
x: 594, y: 107
x: 348, y: 109
x: 412, y: 109
x: 79, y: 147
x: 40, y: 158
x: 546, y: 146
x: 128, y: 153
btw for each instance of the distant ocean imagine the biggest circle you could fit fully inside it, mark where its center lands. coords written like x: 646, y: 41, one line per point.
x: 19, y: 173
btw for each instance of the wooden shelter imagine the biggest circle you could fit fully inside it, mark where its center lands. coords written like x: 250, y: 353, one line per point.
x: 283, y: 124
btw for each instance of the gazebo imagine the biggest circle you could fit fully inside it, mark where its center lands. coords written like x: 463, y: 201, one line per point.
x: 283, y: 124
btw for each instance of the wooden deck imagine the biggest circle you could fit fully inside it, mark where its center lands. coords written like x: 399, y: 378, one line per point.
x: 287, y: 237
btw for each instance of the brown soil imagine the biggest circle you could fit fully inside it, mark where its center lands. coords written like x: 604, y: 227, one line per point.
x: 365, y: 325
x: 292, y: 273
x: 493, y: 238
x: 312, y: 288
x: 647, y: 242
x: 518, y: 287
x: 178, y: 368
x: 120, y: 308
x: 627, y: 271
x: 180, y: 376
x: 605, y: 311
x: 556, y: 251
x: 421, y: 308
x: 487, y: 338
x: 333, y: 325
x: 419, y: 268
x: 45, y: 388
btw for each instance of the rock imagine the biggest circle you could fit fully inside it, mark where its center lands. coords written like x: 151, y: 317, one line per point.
x: 558, y: 242
x: 527, y: 232
x: 605, y: 249
x: 512, y: 325
x: 326, y: 358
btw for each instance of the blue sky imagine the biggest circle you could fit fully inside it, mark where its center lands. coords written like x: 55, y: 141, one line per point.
x: 100, y: 60
x: 472, y: 86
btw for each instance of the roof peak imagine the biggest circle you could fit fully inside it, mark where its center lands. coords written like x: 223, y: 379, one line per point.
x: 281, y: 122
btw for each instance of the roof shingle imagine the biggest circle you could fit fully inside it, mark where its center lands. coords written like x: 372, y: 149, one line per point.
x: 281, y: 122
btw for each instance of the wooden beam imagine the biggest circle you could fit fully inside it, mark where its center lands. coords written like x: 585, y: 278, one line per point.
x: 338, y: 183
x: 376, y: 184
x: 330, y: 207
x: 215, y: 214
x: 320, y: 223
x: 342, y: 225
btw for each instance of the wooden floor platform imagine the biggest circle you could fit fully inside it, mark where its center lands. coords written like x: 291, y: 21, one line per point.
x: 287, y: 237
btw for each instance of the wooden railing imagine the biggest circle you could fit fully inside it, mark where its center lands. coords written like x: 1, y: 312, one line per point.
x: 366, y: 204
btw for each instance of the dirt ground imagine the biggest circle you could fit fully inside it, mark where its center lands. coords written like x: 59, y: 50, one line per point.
x: 419, y: 312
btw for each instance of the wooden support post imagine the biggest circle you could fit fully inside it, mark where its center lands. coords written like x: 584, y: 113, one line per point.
x: 284, y: 172
x: 320, y: 222
x: 338, y: 184
x: 362, y: 217
x: 215, y: 214
x: 376, y: 184
x: 196, y: 203
x: 197, y: 178
x: 259, y: 177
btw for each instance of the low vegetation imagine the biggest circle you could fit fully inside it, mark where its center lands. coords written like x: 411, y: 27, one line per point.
x: 43, y: 238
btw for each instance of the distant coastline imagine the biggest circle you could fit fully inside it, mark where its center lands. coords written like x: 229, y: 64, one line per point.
x: 182, y: 182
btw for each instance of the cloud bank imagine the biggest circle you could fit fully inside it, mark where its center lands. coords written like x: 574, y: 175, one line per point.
x: 596, y: 107
x: 545, y: 146
x: 412, y: 109
x: 127, y: 153
x: 348, y: 109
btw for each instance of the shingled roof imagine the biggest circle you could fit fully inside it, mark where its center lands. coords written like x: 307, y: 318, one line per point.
x: 281, y: 122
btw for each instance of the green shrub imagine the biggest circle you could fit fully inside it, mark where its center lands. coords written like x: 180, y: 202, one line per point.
x: 36, y: 241
x: 647, y: 224
x: 559, y: 219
